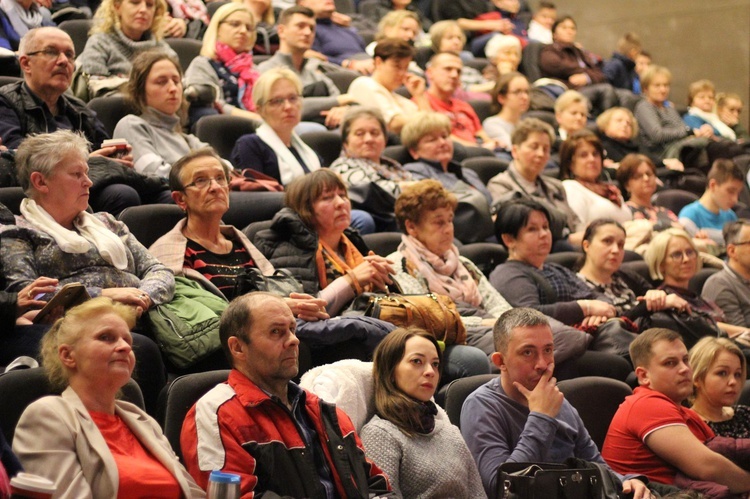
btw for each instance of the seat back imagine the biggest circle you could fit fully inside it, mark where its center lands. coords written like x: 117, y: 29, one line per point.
x: 486, y: 167
x: 151, y: 221
x: 21, y: 387
x: 696, y: 283
x: 78, y: 30
x: 181, y: 395
x: 222, y: 131
x: 565, y: 258
x: 326, y: 144
x: 455, y: 393
x: 187, y: 49
x: 342, y: 79
x: 483, y: 108
x: 383, y: 243
x: 530, y: 61
x: 11, y: 197
x: 110, y: 110
x: 212, y: 7
x: 248, y: 207
x: 596, y: 399
x: 486, y: 256
x: 673, y: 199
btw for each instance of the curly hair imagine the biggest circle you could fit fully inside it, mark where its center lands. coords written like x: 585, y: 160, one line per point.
x: 420, y: 198
x: 106, y: 18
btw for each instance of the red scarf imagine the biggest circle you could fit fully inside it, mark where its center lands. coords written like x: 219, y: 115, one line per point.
x: 241, y: 66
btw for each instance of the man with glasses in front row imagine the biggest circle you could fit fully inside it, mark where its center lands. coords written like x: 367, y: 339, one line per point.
x: 39, y: 104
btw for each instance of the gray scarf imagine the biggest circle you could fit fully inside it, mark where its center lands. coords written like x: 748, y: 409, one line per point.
x: 22, y: 20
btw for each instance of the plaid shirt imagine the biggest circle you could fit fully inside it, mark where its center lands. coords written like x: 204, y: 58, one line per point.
x: 566, y: 284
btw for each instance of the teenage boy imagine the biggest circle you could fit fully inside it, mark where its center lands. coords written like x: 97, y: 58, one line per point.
x: 714, y: 208
x: 540, y: 27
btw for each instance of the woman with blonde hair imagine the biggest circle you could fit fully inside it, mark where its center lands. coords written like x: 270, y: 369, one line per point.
x: 409, y: 436
x: 86, y: 441
x: 265, y: 15
x: 122, y: 29
x: 223, y: 75
x: 402, y: 24
x: 719, y: 373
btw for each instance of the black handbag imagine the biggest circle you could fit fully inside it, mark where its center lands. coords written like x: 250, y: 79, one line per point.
x: 281, y: 283
x: 575, y: 479
x: 691, y: 325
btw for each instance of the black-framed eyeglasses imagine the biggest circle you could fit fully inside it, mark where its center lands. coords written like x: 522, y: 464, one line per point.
x: 203, y: 182
x: 54, y: 54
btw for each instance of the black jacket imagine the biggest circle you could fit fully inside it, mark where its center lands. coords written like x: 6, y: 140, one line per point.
x: 292, y: 245
x: 23, y: 113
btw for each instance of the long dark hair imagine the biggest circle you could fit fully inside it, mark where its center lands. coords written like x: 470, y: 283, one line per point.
x: 391, y: 403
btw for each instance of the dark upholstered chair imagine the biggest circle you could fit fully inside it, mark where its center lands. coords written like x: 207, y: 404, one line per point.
x: 21, y: 387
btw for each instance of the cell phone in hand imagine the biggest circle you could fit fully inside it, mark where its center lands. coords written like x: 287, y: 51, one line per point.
x: 69, y: 296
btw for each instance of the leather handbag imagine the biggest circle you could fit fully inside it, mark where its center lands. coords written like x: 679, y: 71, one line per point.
x: 434, y: 313
x: 692, y: 325
x: 575, y: 479
x: 281, y: 283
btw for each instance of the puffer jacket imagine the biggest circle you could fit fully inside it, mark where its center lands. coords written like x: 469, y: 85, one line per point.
x: 292, y: 245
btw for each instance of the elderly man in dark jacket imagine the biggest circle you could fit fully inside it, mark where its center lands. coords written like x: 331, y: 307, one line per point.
x: 39, y: 105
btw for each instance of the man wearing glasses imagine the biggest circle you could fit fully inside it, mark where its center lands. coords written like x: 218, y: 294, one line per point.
x: 730, y: 287
x: 39, y: 104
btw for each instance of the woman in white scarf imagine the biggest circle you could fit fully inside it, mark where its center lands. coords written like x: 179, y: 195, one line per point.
x: 57, y: 237
x: 275, y: 149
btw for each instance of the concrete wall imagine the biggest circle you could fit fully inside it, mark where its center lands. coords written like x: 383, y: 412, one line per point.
x: 694, y: 38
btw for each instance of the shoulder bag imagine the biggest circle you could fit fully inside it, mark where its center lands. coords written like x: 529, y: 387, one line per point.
x: 281, y: 283
x: 432, y: 312
x: 575, y: 479
x: 253, y: 180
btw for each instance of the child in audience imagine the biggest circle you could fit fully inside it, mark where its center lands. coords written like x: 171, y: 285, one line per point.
x: 620, y: 69
x: 714, y: 208
x: 729, y: 108
x: 702, y: 101
x: 540, y: 27
x: 642, y: 62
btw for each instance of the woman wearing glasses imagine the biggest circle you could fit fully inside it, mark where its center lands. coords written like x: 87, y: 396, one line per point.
x: 223, y: 76
x: 673, y: 258
x: 155, y: 89
x: 275, y: 149
x: 510, y: 100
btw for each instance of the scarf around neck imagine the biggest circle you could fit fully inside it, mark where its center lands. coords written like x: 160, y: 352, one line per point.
x: 445, y: 274
x: 241, y: 66
x: 351, y: 258
x: 607, y: 191
x: 714, y: 120
x: 289, y: 167
x: 21, y: 19
x: 91, y: 231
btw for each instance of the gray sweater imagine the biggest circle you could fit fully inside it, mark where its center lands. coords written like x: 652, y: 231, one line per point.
x: 156, y: 143
x: 424, y: 466
x: 110, y: 54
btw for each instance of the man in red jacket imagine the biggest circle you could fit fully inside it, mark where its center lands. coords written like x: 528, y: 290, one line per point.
x: 280, y: 439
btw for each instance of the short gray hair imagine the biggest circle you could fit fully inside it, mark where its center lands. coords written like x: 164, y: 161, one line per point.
x: 512, y: 319
x: 731, y: 230
x: 43, y: 152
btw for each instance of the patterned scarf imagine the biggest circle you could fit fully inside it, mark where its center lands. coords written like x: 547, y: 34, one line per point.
x: 241, y: 66
x: 445, y: 274
x: 330, y: 264
x: 607, y: 191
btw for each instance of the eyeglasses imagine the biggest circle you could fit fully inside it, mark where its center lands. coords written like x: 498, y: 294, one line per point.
x: 740, y: 243
x: 277, y: 102
x: 237, y: 24
x: 520, y: 91
x: 203, y: 182
x: 54, y: 54
x: 680, y: 255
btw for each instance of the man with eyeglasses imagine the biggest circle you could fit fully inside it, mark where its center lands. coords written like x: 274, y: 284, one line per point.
x: 730, y: 287
x: 444, y: 76
x: 39, y: 104
x: 323, y: 103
